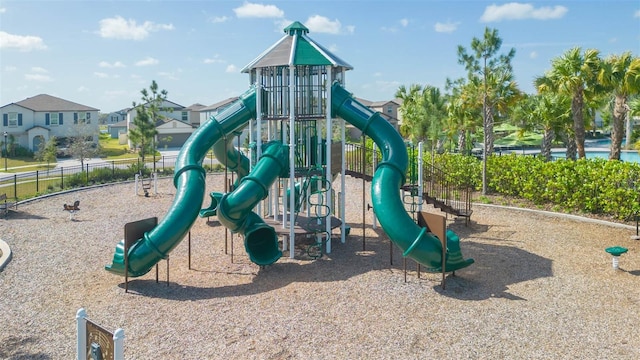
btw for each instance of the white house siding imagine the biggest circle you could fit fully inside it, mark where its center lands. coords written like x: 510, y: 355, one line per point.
x: 31, y: 119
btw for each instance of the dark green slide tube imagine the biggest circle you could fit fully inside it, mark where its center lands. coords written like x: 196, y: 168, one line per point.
x: 189, y: 180
x: 228, y: 155
x: 235, y: 208
x: 414, y: 241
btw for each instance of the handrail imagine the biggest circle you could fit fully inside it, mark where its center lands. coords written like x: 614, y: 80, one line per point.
x: 453, y: 196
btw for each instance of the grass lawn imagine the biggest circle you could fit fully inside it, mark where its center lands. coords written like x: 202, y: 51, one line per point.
x: 112, y: 149
x: 23, y: 164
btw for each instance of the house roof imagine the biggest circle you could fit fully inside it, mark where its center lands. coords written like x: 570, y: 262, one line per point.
x: 219, y: 104
x: 44, y: 102
x: 296, y: 48
x: 381, y: 103
x: 194, y: 107
x: 122, y: 123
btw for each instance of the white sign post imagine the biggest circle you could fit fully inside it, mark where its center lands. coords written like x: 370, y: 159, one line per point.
x: 97, y: 343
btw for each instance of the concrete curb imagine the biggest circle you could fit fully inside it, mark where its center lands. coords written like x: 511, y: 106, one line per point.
x: 561, y: 215
x: 6, y: 254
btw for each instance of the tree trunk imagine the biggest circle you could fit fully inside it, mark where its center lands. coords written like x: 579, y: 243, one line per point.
x: 577, y: 104
x: 547, y: 140
x: 619, y: 113
x: 462, y: 142
x: 570, y: 145
x: 488, y: 137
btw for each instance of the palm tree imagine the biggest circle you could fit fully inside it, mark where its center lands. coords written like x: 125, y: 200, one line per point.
x: 434, y: 105
x: 409, y: 108
x: 621, y: 75
x: 502, y: 95
x: 571, y: 74
x: 463, y: 113
x: 548, y: 112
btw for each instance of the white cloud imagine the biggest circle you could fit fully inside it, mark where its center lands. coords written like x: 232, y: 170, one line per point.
x: 22, y: 43
x: 10, y: 68
x: 83, y: 89
x: 3, y: 10
x: 533, y: 54
x: 333, y: 48
x: 117, y: 64
x: 38, y: 77
x: 252, y: 10
x: 636, y: 14
x: 232, y: 69
x: 214, y: 60
x: 321, y: 24
x: 404, y: 22
x: 38, y: 69
x: 218, y: 19
x: 147, y: 61
x: 519, y: 11
x: 101, y: 75
x: 447, y: 27
x: 120, y: 28
x: 168, y: 75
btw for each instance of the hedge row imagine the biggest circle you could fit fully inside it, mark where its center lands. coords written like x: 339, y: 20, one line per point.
x: 596, y: 186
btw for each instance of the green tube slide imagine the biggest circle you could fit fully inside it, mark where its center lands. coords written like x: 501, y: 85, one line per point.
x: 189, y: 180
x: 228, y: 155
x: 234, y: 208
x: 414, y: 241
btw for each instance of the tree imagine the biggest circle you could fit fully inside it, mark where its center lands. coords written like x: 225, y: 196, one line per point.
x: 147, y: 115
x: 548, y: 112
x: 409, y: 108
x: 423, y: 112
x: 143, y: 131
x: 570, y: 74
x: 463, y: 114
x: 81, y: 142
x: 620, y: 74
x: 496, y: 72
x: 47, y: 151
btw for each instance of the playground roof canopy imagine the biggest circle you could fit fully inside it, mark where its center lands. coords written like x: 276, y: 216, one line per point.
x: 296, y: 48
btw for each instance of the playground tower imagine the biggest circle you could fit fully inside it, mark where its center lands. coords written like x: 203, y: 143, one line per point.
x: 293, y: 81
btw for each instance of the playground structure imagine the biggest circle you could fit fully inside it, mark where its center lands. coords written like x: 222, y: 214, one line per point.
x: 296, y: 92
x: 146, y: 184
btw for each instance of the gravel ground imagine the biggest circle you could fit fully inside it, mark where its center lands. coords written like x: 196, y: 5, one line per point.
x: 542, y: 287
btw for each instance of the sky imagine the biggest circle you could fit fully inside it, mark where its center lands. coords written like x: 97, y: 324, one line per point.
x: 103, y: 53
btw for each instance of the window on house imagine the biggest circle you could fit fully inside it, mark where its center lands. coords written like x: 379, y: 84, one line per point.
x: 53, y: 118
x: 13, y: 119
x: 185, y: 116
x: 82, y: 118
x: 390, y: 109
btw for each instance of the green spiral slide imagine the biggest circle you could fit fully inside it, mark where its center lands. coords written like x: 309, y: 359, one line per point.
x: 189, y: 180
x: 415, y: 242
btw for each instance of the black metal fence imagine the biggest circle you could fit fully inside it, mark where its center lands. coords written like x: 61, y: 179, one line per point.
x: 26, y: 185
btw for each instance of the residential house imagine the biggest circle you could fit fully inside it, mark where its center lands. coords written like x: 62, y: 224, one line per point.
x: 388, y: 109
x: 117, y: 116
x: 118, y: 129
x: 174, y: 124
x: 31, y: 122
x: 194, y: 113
